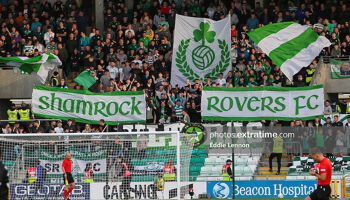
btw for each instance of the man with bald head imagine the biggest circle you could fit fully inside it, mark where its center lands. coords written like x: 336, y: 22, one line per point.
x: 67, y: 175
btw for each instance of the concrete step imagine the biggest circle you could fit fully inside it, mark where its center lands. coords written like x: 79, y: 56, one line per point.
x: 274, y: 163
x: 272, y: 173
x: 284, y: 155
x: 267, y: 159
x: 273, y: 168
x: 280, y: 177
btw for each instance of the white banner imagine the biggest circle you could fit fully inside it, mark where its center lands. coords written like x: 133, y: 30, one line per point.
x: 201, y: 49
x: 78, y: 166
x: 144, y: 190
x: 262, y: 103
x: 88, y: 107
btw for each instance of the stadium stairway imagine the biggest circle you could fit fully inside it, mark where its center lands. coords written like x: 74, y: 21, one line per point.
x: 263, y: 173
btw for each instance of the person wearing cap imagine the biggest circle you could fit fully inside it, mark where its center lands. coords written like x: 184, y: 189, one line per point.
x: 12, y: 113
x: 227, y: 171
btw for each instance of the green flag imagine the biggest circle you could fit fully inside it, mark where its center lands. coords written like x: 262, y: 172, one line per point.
x: 340, y: 69
x: 289, y: 45
x: 39, y: 66
x: 85, y: 79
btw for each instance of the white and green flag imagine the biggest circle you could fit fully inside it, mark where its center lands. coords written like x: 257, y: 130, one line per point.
x: 262, y: 103
x: 38, y: 66
x: 201, y: 49
x: 81, y: 158
x: 289, y: 45
x: 88, y: 107
x: 340, y: 69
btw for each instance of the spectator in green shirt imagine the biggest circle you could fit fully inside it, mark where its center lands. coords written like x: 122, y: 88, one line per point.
x: 133, y: 46
x: 163, y: 22
x: 145, y: 39
x: 52, y: 46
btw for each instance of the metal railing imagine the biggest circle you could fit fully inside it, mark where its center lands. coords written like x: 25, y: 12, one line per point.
x: 6, y: 67
x: 326, y: 59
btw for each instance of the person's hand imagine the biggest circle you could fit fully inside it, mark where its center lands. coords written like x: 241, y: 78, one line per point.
x: 312, y: 172
x: 65, y: 175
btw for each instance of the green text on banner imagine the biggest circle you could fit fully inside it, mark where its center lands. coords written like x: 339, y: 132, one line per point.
x: 88, y: 107
x: 262, y: 103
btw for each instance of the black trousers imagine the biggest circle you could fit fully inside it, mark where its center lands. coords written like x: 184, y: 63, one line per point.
x: 4, y: 192
x: 126, y: 186
x: 279, y: 157
x: 323, y: 192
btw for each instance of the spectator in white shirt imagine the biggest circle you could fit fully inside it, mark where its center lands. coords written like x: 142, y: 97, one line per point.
x: 39, y: 46
x: 327, y: 108
x: 48, y: 35
x: 130, y: 30
x: 221, y: 80
x: 59, y: 128
x: 113, y: 70
x: 137, y: 60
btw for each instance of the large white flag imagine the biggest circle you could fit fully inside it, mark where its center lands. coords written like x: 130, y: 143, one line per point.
x: 290, y: 46
x: 38, y: 66
x: 201, y: 49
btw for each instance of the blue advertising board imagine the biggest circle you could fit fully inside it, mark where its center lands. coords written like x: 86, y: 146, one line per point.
x: 48, y: 191
x: 261, y: 189
x: 220, y: 189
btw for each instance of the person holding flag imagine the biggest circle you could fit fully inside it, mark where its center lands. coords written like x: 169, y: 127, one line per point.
x: 67, y: 175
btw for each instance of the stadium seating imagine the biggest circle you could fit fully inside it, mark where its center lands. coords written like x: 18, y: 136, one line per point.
x: 245, y: 167
x: 301, y: 166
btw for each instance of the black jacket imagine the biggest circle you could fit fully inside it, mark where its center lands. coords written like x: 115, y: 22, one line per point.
x: 4, y: 179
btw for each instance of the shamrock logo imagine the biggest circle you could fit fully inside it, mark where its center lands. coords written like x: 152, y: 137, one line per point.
x: 203, y: 56
x: 203, y: 34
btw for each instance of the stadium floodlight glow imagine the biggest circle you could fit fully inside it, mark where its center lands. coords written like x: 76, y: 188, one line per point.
x: 35, y: 161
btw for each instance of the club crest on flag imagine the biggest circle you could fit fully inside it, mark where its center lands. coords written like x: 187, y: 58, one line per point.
x: 202, y: 51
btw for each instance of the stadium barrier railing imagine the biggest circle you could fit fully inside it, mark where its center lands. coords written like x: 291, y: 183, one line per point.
x: 326, y: 59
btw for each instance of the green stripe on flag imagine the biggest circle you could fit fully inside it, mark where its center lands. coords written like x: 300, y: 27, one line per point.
x: 261, y: 33
x: 19, y: 60
x: 29, y: 68
x: 291, y: 48
x: 51, y: 57
x: 334, y: 62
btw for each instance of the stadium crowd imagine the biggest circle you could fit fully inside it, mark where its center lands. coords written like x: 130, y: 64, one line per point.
x: 134, y: 52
